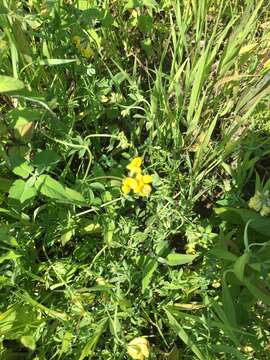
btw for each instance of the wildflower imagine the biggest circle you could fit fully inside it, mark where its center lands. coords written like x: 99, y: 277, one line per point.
x: 138, y: 348
x: 248, y: 349
x: 77, y: 41
x: 260, y: 202
x: 142, y: 187
x: 190, y: 248
x: 128, y: 184
x: 137, y: 182
x: 135, y: 165
x: 216, y: 284
x: 87, y: 52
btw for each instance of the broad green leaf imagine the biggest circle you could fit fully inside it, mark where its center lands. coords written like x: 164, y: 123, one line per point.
x: 239, y: 266
x: 28, y: 341
x: 75, y: 196
x: 9, y: 84
x: 222, y: 253
x: 145, y: 23
x: 175, y: 259
x: 22, y: 191
x: 46, y: 159
x: 22, y: 121
x: 241, y: 216
x: 55, y: 190
x: 20, y: 166
x: 148, y: 271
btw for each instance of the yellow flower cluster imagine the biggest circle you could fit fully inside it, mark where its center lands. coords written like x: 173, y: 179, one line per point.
x: 138, y: 348
x: 136, y: 181
x: 85, y: 51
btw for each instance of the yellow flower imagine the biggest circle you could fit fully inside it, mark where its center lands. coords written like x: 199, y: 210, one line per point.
x: 87, y: 52
x: 147, y: 179
x: 138, y: 348
x: 142, y: 188
x: 216, y: 284
x: 190, y: 249
x: 145, y: 191
x: 77, y: 41
x: 137, y: 182
x: 135, y: 165
x: 128, y: 184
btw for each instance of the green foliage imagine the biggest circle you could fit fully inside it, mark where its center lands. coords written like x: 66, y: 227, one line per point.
x: 86, y: 86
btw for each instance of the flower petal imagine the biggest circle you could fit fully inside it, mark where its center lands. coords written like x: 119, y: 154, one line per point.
x: 125, y: 189
x: 145, y: 190
x: 147, y: 179
x: 138, y: 348
x: 135, y: 165
x: 132, y: 183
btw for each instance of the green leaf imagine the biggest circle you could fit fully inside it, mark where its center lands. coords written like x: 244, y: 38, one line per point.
x: 174, y: 354
x: 20, y: 166
x: 145, y: 23
x: 131, y: 4
x: 229, y: 350
x: 11, y: 255
x: 66, y: 343
x: 46, y: 159
x: 28, y: 341
x: 179, y: 330
x: 228, y: 303
x: 108, y: 232
x: 150, y: 3
x: 55, y: 190
x: 222, y: 253
x: 22, y: 191
x: 175, y: 259
x: 88, y: 350
x: 148, y: 271
x: 97, y: 186
x: 53, y: 62
x: 5, y: 184
x: 8, y: 84
x: 239, y: 266
x: 241, y: 216
x: 257, y: 293
x: 66, y: 236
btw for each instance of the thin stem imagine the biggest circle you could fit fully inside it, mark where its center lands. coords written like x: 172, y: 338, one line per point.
x: 101, y: 206
x: 101, y: 135
x: 104, y: 177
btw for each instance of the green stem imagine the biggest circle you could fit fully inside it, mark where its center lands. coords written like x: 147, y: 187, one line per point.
x: 105, y: 177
